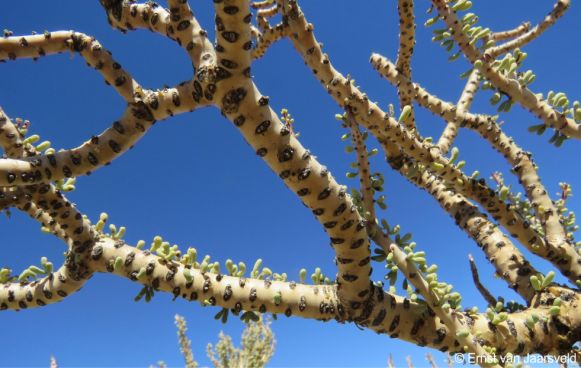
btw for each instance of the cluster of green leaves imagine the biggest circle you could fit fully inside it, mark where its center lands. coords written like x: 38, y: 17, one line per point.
x: 190, y: 260
x: 568, y: 218
x: 496, y: 314
x: 526, y: 210
x: 376, y: 178
x: 246, y: 316
x: 317, y: 277
x: 32, y: 272
x: 288, y: 121
x: 509, y: 66
x: 114, y: 233
x: 474, y: 32
x: 560, y: 102
x: 417, y: 168
x: 540, y: 282
x: 6, y: 275
x: 518, y: 202
x: 447, y: 298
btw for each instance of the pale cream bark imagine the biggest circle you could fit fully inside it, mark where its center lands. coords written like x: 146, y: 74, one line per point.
x: 222, y: 78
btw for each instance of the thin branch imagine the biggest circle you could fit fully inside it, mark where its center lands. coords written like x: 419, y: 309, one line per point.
x: 524, y: 38
x: 364, y: 169
x: 450, y: 361
x: 491, y: 300
x: 511, y: 33
x: 390, y: 363
x: 34, y: 46
x: 266, y: 38
x: 374, y: 230
x: 407, y: 28
x: 511, y: 87
x: 463, y: 105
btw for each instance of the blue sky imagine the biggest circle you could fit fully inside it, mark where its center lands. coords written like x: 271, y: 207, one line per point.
x: 195, y: 181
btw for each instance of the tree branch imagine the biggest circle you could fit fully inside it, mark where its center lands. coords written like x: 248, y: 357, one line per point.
x: 555, y: 248
x: 96, y: 152
x: 509, y: 262
x: 268, y: 36
x: 511, y: 33
x: 364, y: 169
x: 407, y: 28
x: 522, y: 38
x: 34, y: 46
x: 491, y: 300
x: 463, y: 105
x: 74, y: 272
x: 233, y: 36
x: 511, y: 87
x: 457, y: 326
x: 303, y: 174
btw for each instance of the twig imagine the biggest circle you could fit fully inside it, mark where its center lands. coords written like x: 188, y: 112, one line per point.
x: 491, y: 300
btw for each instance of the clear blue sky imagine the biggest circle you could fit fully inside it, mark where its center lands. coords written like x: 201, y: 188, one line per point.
x: 195, y: 181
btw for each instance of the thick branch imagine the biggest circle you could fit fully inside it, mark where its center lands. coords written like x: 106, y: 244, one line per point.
x: 96, y: 152
x: 289, y: 298
x: 233, y: 36
x: 74, y: 272
x: 243, y: 104
x: 509, y: 262
x: 185, y: 29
